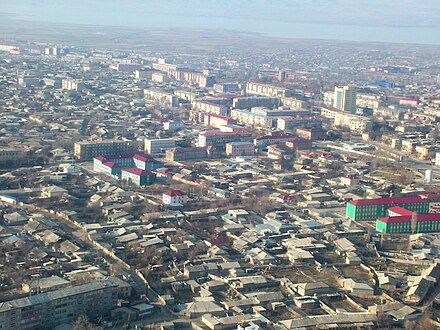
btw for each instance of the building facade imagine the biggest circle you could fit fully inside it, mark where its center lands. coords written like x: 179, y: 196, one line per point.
x: 138, y: 177
x: 345, y: 98
x: 174, y: 197
x: 161, y: 97
x: 48, y: 310
x: 219, y: 139
x: 267, y: 140
x: 292, y: 123
x: 157, y: 146
x: 89, y: 149
x: 408, y: 222
x: 266, y: 90
x: 240, y: 149
x: 372, y: 209
x: 187, y: 154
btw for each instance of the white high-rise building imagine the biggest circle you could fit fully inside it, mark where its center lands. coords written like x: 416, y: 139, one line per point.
x: 345, y: 98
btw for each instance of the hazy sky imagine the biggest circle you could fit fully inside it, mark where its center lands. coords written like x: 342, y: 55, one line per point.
x: 362, y: 12
x: 252, y: 15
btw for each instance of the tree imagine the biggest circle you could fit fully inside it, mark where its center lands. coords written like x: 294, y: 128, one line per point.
x: 83, y: 323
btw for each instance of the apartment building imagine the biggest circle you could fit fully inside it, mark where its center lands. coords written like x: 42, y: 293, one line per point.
x: 187, y: 95
x: 292, y: 123
x: 89, y: 149
x: 209, y: 107
x: 267, y: 140
x: 226, y: 87
x: 157, y: 146
x: 266, y: 90
x: 240, y: 149
x: 292, y: 102
x: 72, y: 84
x: 345, y: 119
x: 186, y: 154
x: 8, y: 155
x: 161, y: 65
x: 144, y: 74
x: 368, y: 101
x: 161, y: 97
x: 51, y: 309
x: 219, y: 139
x: 247, y: 102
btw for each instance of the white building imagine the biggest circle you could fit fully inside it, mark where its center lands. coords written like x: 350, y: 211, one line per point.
x: 345, y: 119
x: 437, y: 159
x: 157, y: 146
x: 72, y: 84
x: 174, y: 197
x: 161, y: 97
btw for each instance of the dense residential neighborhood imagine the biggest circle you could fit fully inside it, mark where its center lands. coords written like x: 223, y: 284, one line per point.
x: 229, y: 189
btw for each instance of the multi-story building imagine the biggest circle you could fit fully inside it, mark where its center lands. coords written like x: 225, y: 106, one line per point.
x: 174, y: 197
x: 161, y: 65
x: 138, y: 176
x: 161, y: 97
x: 368, y: 101
x: 293, y: 123
x: 312, y: 134
x: 401, y: 221
x: 299, y: 144
x: 345, y: 119
x: 266, y: 90
x: 72, y: 84
x: 144, y: 74
x: 197, y: 78
x: 160, y: 77
x: 126, y: 67
x: 8, y: 155
x: 51, y: 309
x: 345, y: 98
x: 371, y: 209
x: 113, y: 164
x: 157, y: 146
x: 226, y: 87
x: 247, y: 102
x: 89, y: 149
x: 251, y: 118
x: 261, y: 117
x: 187, y: 95
x: 267, y: 140
x: 27, y: 80
x: 219, y: 139
x: 292, y: 102
x: 186, y: 154
x: 210, y: 107
x: 240, y: 149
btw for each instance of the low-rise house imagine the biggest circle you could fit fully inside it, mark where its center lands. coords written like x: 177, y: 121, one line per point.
x: 313, y: 288
x: 199, y: 308
x: 356, y: 287
x: 52, y: 191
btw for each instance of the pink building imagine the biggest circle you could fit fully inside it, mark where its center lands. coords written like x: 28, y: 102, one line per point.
x: 240, y: 149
